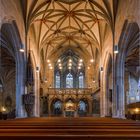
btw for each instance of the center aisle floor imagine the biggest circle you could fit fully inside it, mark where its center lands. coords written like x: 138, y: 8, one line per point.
x: 62, y: 128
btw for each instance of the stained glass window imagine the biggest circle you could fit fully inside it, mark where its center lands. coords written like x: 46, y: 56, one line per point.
x: 81, y: 80
x: 82, y: 106
x: 58, y: 108
x: 57, y: 80
x: 58, y: 104
x: 69, y: 81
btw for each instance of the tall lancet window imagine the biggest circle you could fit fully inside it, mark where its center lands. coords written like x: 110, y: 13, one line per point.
x: 81, y: 80
x: 69, y: 81
x: 57, y: 80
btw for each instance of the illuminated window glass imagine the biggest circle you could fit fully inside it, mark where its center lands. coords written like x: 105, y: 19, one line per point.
x: 58, y: 104
x: 81, y: 80
x: 69, y: 81
x: 82, y: 106
x: 139, y: 83
x: 57, y: 78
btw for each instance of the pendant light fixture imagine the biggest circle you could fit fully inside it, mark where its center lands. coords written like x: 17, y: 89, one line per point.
x: 116, y: 49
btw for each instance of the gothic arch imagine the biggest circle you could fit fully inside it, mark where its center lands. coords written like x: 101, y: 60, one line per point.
x: 10, y: 39
x: 86, y: 101
x: 129, y: 40
x: 56, y: 110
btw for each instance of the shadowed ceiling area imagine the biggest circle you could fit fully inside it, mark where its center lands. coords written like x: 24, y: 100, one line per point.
x: 7, y: 56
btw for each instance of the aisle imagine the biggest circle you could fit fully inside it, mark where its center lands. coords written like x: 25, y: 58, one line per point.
x: 84, y: 128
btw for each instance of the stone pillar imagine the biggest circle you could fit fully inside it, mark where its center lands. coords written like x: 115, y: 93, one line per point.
x: 90, y: 107
x: 119, y: 96
x: 37, y: 96
x: 63, y: 112
x: 115, y: 92
x: 20, y: 90
x: 76, y: 104
x: 63, y: 105
x: 49, y: 106
x: 102, y: 97
x: 114, y: 102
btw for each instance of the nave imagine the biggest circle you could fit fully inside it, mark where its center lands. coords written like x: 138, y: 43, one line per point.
x: 70, y: 69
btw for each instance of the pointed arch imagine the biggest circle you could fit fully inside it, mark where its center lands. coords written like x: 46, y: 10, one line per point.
x: 10, y: 39
x: 129, y: 40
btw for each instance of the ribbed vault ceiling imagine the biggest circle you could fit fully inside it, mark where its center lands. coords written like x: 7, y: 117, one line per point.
x: 69, y: 55
x: 78, y: 23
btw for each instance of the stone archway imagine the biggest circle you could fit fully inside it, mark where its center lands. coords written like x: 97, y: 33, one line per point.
x: 56, y: 107
x: 13, y: 44
x: 70, y: 107
x: 7, y: 80
x: 83, y: 107
x: 129, y: 40
x: 109, y: 86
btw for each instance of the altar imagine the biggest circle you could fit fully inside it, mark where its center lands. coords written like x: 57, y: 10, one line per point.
x: 70, y: 109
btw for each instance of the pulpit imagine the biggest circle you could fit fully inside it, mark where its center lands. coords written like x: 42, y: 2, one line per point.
x: 28, y: 101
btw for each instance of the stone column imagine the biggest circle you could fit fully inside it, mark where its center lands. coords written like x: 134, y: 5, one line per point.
x: 121, y: 98
x: 63, y: 107
x: 20, y: 90
x: 119, y: 95
x: 90, y: 107
x: 102, y: 97
x: 115, y: 92
x: 49, y: 106
x: 37, y: 96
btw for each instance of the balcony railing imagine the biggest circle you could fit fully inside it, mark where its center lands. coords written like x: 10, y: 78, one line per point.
x: 79, y: 91
x: 69, y: 91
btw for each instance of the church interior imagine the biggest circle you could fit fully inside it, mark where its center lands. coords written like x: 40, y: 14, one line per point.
x: 70, y: 69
